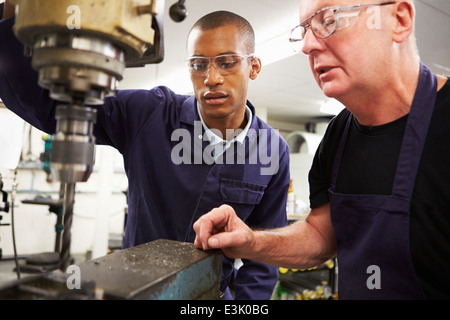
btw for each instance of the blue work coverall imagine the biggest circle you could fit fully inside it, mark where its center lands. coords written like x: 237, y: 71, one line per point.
x: 168, y: 192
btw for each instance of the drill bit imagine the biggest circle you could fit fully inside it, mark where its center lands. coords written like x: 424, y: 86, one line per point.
x: 69, y: 201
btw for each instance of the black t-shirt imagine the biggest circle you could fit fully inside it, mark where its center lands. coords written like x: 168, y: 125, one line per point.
x: 368, y: 167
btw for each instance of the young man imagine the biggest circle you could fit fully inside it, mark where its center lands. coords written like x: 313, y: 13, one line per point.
x: 380, y: 195
x: 184, y: 155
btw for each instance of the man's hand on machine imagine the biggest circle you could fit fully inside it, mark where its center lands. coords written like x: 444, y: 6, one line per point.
x: 222, y: 229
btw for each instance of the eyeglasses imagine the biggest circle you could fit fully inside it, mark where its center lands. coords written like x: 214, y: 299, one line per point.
x: 326, y: 21
x: 225, y: 64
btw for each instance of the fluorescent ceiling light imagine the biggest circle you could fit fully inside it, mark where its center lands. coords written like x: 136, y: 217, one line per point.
x: 275, y: 49
x: 446, y: 69
x: 331, y: 106
x: 178, y: 82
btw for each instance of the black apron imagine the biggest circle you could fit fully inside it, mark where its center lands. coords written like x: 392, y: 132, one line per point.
x: 372, y: 231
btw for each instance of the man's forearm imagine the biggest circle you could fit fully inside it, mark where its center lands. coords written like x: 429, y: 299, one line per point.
x: 8, y: 10
x: 299, y: 246
x: 290, y: 247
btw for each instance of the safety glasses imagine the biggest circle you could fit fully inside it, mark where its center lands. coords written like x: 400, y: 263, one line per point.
x: 225, y: 64
x: 326, y: 21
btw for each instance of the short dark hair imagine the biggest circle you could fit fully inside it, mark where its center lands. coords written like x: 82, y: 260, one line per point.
x: 218, y: 19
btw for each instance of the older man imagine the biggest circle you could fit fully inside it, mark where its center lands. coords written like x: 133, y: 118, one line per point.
x: 379, y: 187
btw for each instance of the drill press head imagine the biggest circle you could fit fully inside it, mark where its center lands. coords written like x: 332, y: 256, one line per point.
x: 80, y: 48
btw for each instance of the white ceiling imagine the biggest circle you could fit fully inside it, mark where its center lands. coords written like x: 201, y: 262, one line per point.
x: 285, y: 88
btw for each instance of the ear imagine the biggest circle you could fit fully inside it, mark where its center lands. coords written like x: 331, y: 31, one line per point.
x: 256, y: 67
x: 404, y: 21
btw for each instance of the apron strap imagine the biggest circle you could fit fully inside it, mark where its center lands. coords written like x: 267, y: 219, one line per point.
x: 415, y: 134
